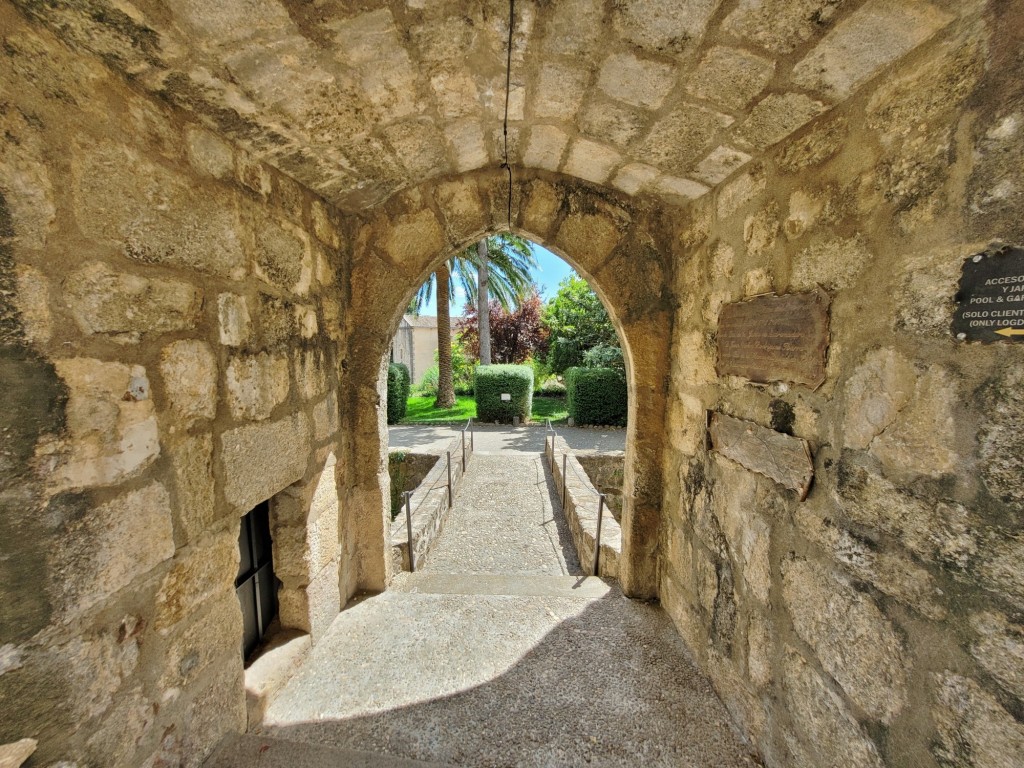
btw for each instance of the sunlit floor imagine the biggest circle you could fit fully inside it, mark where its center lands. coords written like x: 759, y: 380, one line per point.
x: 497, y: 653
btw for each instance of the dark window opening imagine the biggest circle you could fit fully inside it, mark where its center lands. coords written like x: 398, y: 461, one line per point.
x: 256, y: 585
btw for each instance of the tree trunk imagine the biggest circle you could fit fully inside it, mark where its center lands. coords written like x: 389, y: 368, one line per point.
x: 483, y: 304
x: 445, y: 389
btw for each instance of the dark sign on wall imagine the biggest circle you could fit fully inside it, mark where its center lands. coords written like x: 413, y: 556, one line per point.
x: 990, y: 301
x: 775, y: 338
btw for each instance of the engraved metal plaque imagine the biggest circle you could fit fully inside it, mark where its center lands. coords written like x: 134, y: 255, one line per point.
x: 784, y: 459
x: 775, y: 338
x: 990, y: 302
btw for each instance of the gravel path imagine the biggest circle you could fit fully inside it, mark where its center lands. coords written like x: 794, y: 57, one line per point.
x: 504, y: 521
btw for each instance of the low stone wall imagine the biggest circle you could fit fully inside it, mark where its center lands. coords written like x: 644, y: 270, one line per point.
x: 430, y: 506
x: 581, y: 502
x: 406, y: 471
x: 605, y: 471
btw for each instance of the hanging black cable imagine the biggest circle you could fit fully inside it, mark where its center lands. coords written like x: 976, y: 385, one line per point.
x: 508, y: 90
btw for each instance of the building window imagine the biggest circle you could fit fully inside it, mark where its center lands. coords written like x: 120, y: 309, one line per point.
x: 256, y: 585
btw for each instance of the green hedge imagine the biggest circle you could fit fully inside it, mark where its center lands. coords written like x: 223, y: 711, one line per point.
x: 399, y: 382
x: 492, y: 381
x: 596, y: 396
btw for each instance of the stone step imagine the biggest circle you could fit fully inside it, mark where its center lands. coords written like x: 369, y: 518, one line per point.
x: 248, y: 750
x: 520, y: 585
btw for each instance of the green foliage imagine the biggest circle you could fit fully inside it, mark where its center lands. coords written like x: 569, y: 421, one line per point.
x: 398, y: 391
x: 552, y: 387
x: 428, y: 384
x: 596, y: 396
x: 540, y: 372
x: 604, y: 356
x: 462, y: 369
x: 577, y: 321
x: 493, y: 380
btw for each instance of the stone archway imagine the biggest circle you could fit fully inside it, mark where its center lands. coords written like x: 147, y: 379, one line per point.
x: 608, y: 241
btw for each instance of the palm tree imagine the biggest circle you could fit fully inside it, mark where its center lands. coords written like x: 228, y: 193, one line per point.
x: 507, y: 261
x: 513, y: 258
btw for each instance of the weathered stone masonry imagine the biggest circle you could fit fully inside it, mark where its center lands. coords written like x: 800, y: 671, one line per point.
x: 211, y: 215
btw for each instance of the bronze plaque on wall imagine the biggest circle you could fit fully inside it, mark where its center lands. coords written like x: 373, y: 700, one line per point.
x: 775, y: 338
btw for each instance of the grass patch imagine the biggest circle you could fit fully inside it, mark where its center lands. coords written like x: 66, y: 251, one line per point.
x: 553, y: 408
x: 421, y: 410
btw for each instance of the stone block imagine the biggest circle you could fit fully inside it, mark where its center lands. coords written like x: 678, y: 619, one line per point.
x: 325, y: 417
x: 1000, y: 440
x: 414, y: 240
x: 681, y: 138
x: 107, y: 548
x: 541, y: 208
x: 862, y: 45
x: 195, y: 507
x: 776, y: 116
x: 153, y: 214
x: 463, y: 212
x: 261, y: 459
x: 282, y: 254
x: 720, y: 164
x: 834, y: 263
x: 324, y: 225
x: 105, y: 300
x: 999, y: 648
x: 665, y: 28
x: 974, y: 729
x: 828, y: 727
x: 33, y: 304
x: 209, y: 154
x: 878, y: 390
x: 922, y: 437
x: 189, y: 372
x: 780, y: 25
x: 310, y: 373
x: 636, y: 81
x: 634, y: 177
x: 782, y: 458
x: 738, y: 192
x: 612, y: 123
x: 730, y: 77
x: 595, y: 234
x: 573, y: 26
x: 314, y: 607
x: 468, y: 145
x: 116, y: 737
x: 856, y: 643
x: 256, y: 384
x: 545, y: 147
x: 559, y: 91
x: 217, y: 710
x: 203, y: 570
x: 213, y: 633
x: 760, y: 232
x: 760, y: 650
x: 15, y: 754
x: 820, y: 143
x: 893, y: 573
x: 591, y: 161
x: 233, y: 319
x: 111, y: 426
x: 804, y: 210
x: 24, y: 176
x: 419, y: 146
x: 676, y: 187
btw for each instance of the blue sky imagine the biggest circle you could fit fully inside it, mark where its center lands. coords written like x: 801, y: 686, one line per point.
x: 550, y: 271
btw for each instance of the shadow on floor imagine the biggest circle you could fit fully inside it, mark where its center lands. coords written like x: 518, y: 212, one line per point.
x: 611, y: 685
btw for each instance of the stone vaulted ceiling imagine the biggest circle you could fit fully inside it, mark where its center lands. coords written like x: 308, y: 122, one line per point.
x: 358, y: 100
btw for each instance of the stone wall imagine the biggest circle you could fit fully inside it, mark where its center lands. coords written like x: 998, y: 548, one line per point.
x: 170, y: 332
x: 877, y: 622
x: 605, y: 472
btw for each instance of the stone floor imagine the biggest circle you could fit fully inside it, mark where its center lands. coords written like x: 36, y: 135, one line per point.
x: 496, y: 653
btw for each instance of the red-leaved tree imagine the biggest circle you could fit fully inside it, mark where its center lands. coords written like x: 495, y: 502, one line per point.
x: 515, y: 336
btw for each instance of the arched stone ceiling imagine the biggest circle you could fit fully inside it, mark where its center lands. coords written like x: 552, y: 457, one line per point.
x: 358, y: 100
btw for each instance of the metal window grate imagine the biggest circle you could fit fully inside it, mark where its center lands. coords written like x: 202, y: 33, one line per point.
x: 255, y: 584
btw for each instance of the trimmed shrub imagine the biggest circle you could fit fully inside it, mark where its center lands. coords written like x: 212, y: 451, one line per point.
x: 492, y: 381
x: 596, y: 396
x: 398, y: 391
x: 551, y: 387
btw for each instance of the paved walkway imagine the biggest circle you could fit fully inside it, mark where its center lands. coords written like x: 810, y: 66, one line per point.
x: 496, y: 654
x: 490, y: 438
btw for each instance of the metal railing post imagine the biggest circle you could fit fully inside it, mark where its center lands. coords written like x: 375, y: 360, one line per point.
x: 463, y: 451
x: 449, y: 455
x: 565, y: 480
x: 408, y: 529
x: 472, y: 436
x: 597, y: 538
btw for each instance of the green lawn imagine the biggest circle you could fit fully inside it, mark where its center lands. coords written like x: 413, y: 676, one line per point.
x: 421, y: 410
